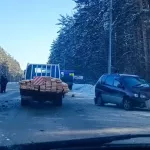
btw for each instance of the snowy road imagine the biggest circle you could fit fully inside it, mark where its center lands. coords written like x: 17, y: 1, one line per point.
x: 77, y: 118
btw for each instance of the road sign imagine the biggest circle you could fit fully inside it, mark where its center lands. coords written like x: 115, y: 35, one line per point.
x: 78, y: 77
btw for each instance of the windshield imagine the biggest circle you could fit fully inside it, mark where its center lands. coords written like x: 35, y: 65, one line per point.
x: 61, y: 69
x: 133, y: 81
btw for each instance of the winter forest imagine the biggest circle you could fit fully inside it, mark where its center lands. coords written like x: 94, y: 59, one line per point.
x: 83, y: 39
x: 9, y: 66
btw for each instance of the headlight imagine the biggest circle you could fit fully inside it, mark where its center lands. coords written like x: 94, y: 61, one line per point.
x: 142, y: 96
x: 136, y: 95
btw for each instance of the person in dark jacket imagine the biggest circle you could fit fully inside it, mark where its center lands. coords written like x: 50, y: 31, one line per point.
x: 4, y: 82
x: 0, y: 85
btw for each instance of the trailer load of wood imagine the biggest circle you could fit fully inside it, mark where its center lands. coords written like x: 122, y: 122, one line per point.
x: 45, y: 84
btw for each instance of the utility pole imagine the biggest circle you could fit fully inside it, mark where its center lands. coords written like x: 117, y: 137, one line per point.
x: 110, y: 40
x: 64, y: 63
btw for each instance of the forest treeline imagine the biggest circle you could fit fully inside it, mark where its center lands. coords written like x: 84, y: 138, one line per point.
x: 83, y: 39
x: 9, y: 66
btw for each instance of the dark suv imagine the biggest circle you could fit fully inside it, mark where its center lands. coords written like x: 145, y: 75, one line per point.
x: 122, y: 89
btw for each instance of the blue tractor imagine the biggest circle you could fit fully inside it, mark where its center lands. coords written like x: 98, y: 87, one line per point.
x: 67, y: 76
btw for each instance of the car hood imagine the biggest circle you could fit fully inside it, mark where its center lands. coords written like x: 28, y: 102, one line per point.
x: 89, y: 143
x: 144, y: 90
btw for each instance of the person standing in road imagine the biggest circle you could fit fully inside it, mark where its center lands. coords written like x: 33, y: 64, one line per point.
x: 2, y: 83
x: 5, y: 83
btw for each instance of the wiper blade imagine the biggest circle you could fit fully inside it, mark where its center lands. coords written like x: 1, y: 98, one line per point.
x: 136, y: 85
x: 90, y: 142
x: 141, y: 85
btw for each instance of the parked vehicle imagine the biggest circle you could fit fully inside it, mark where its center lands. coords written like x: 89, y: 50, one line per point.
x: 41, y: 91
x: 67, y: 76
x: 122, y: 89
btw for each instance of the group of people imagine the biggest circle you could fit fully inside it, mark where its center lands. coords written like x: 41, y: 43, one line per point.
x: 3, y: 83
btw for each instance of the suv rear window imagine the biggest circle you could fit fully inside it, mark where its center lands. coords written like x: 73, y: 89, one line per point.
x: 109, y: 80
x: 102, y: 79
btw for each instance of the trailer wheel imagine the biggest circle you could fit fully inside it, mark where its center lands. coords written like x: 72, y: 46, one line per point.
x: 24, y: 102
x: 58, y: 101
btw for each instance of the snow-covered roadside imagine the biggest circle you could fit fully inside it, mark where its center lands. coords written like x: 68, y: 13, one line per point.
x: 13, y: 82
x: 84, y: 89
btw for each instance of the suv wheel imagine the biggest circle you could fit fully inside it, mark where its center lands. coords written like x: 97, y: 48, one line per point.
x: 127, y: 105
x: 99, y: 101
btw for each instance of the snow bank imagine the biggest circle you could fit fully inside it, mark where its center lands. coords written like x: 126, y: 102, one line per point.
x: 85, y: 89
x: 13, y: 82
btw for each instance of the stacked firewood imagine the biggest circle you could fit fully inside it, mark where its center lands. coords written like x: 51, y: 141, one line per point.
x: 45, y: 84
